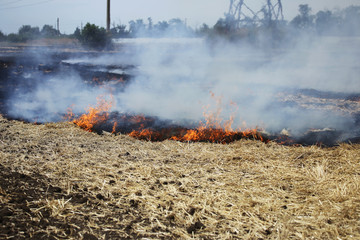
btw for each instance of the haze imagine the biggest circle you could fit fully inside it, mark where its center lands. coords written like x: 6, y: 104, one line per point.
x: 72, y: 14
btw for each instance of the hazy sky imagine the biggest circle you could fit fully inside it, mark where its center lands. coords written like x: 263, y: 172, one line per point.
x: 73, y: 13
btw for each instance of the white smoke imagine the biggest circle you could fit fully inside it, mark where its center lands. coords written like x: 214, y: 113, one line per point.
x: 50, y: 98
x: 174, y: 80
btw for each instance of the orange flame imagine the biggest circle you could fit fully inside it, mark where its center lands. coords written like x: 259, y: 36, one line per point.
x: 69, y: 116
x: 94, y: 115
x: 146, y: 134
x: 216, y: 135
x: 114, y: 127
x: 214, y: 129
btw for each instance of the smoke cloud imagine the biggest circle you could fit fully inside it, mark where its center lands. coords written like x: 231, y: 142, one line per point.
x: 180, y: 79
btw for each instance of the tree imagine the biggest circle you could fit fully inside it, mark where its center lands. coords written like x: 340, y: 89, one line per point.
x: 178, y: 26
x: 304, y: 20
x: 119, y: 31
x: 94, y: 37
x: 26, y: 32
x: 77, y: 33
x: 150, y: 24
x: 351, y: 20
x: 226, y: 26
x: 2, y: 36
x: 304, y: 10
x: 326, y: 22
x: 161, y: 27
x: 49, y: 31
x: 137, y: 28
x: 12, y: 37
x: 204, y: 30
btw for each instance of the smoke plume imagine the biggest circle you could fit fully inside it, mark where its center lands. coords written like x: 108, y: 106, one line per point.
x: 180, y: 79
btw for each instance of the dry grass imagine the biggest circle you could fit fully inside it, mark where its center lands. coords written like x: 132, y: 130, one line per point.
x: 104, y: 186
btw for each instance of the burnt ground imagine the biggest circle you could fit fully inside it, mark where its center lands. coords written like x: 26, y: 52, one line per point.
x: 22, y: 66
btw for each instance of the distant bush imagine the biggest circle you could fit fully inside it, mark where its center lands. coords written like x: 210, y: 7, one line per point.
x: 119, y: 31
x: 93, y: 37
x: 26, y: 32
x: 12, y: 37
x: 49, y: 31
x: 2, y: 36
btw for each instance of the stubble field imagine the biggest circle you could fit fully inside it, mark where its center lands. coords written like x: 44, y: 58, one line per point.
x: 61, y: 182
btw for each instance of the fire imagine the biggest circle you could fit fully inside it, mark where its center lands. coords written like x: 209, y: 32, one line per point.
x: 200, y: 134
x: 114, y: 127
x: 213, y: 129
x: 69, y: 113
x: 217, y: 135
x: 94, y: 115
x: 146, y: 134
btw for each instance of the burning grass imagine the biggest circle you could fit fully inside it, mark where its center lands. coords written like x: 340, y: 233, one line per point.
x: 213, y: 129
x: 58, y: 181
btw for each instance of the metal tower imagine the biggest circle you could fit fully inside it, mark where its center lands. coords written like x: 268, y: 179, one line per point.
x: 240, y: 12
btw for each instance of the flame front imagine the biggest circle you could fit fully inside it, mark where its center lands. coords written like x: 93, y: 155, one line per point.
x: 214, y: 129
x: 217, y: 135
x: 94, y: 115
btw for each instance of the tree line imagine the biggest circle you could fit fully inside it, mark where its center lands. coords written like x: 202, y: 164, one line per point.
x: 27, y: 32
x: 344, y: 22
x: 341, y: 22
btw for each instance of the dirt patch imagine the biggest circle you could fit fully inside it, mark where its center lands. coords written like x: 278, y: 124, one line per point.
x: 21, y: 214
x: 34, y: 209
x: 60, y: 182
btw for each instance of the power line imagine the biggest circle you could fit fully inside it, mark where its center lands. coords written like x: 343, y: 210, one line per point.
x: 9, y: 3
x: 26, y: 5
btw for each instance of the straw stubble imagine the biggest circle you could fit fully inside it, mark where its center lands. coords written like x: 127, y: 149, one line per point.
x: 61, y: 181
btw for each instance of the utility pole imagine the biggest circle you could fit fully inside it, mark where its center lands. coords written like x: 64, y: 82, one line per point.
x: 108, y: 16
x: 58, y: 25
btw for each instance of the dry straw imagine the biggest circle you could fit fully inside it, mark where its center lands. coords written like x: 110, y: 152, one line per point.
x: 111, y: 187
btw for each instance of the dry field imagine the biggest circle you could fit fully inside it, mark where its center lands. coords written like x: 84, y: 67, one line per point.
x: 58, y: 181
